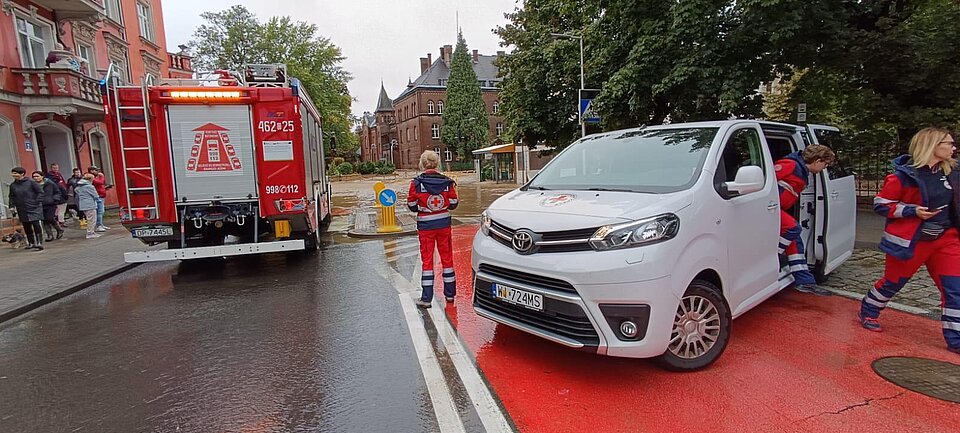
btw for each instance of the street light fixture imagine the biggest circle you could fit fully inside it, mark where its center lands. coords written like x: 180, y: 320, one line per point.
x: 583, y: 126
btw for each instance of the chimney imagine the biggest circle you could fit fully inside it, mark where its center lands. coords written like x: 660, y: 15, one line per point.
x: 476, y: 56
x: 447, y: 53
x: 430, y: 58
x: 424, y: 64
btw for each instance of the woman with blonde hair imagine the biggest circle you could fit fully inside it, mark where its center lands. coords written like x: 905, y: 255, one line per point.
x: 432, y: 196
x: 921, y: 201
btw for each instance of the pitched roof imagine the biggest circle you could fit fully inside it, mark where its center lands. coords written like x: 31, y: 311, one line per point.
x: 384, y: 103
x: 436, y: 76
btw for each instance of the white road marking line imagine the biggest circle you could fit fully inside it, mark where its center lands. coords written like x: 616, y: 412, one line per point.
x: 480, y: 395
x: 447, y: 416
x: 403, y: 256
x: 402, y: 247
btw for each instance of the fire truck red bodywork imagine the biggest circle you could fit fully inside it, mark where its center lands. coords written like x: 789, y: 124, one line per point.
x: 291, y: 196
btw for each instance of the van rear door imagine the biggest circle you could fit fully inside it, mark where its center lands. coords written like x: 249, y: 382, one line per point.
x: 836, y: 214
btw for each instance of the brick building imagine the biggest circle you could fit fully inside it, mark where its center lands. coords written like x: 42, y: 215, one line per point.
x: 402, y: 128
x: 52, y: 112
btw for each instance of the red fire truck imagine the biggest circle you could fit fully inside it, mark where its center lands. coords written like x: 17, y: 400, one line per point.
x: 221, y: 167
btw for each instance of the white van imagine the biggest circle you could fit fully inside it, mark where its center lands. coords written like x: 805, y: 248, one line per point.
x: 647, y: 242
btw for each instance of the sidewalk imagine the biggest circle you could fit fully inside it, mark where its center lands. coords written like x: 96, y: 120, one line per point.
x: 32, y: 278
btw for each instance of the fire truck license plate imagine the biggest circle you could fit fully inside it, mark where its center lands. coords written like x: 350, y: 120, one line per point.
x: 533, y: 301
x: 152, y: 232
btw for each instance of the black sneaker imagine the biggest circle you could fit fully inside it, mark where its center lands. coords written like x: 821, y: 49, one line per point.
x: 28, y: 247
x: 812, y: 288
x: 423, y: 304
x: 39, y: 248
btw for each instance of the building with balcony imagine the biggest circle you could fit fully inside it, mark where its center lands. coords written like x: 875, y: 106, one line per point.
x: 403, y: 128
x: 53, y: 54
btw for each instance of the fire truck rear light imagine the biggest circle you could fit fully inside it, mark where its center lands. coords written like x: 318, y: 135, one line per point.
x: 290, y: 205
x: 194, y: 94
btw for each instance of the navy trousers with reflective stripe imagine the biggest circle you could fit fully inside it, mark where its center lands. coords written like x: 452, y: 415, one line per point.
x: 441, y: 238
x: 942, y: 258
x: 792, y: 246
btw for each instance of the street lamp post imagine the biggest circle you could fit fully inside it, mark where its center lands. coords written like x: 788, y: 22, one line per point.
x: 583, y: 85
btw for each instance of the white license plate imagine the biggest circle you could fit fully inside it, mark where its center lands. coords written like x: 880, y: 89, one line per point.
x: 152, y: 232
x: 533, y: 301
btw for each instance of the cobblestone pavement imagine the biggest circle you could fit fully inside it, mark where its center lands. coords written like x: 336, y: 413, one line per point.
x: 858, y: 275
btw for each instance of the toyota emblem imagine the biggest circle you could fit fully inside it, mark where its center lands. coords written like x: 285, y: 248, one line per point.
x: 523, y: 241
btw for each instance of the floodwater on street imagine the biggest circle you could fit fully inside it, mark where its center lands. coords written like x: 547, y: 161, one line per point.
x: 266, y: 343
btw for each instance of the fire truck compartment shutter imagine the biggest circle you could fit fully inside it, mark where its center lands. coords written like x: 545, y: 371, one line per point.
x: 213, y: 154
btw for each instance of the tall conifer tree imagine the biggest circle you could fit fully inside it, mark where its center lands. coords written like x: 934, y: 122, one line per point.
x: 465, y: 126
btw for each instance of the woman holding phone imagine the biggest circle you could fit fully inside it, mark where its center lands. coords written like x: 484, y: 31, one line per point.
x: 921, y: 201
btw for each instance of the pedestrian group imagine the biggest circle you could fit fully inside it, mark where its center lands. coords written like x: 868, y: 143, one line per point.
x: 42, y: 202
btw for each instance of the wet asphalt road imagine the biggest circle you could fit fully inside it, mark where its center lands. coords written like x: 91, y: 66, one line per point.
x: 268, y: 343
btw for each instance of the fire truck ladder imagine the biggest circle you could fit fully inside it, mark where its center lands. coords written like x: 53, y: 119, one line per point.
x: 147, y: 172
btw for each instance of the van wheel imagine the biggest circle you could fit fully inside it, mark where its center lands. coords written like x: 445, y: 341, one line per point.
x: 701, y: 329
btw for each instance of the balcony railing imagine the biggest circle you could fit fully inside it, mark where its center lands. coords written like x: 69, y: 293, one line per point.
x: 56, y: 83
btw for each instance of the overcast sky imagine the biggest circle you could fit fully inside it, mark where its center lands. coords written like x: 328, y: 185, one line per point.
x: 381, y: 39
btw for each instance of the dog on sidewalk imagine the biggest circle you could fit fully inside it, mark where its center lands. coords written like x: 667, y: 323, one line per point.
x: 16, y: 239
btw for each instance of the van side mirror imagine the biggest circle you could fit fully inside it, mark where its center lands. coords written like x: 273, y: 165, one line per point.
x: 749, y: 179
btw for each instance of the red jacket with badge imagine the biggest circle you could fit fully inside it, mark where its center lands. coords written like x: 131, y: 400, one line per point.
x: 792, y: 176
x: 432, y: 195
x: 898, y: 200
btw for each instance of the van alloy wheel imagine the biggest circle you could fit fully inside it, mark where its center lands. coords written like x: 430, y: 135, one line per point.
x: 701, y: 328
x: 696, y: 327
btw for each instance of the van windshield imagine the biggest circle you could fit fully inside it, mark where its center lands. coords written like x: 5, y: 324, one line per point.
x: 649, y: 161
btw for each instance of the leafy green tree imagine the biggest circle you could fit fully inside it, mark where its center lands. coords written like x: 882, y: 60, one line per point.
x: 654, y: 61
x: 464, y: 113
x: 234, y: 37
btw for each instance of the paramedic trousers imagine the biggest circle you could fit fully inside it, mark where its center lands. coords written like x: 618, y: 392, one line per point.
x: 792, y: 246
x: 441, y: 238
x: 942, y: 258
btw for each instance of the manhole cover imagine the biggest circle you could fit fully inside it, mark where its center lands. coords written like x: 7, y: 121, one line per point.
x: 929, y: 377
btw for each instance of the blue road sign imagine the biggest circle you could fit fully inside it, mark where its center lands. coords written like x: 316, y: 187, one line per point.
x: 587, y: 113
x: 387, y: 197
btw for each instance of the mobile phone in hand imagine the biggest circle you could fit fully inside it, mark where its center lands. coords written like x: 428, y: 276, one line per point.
x: 943, y: 207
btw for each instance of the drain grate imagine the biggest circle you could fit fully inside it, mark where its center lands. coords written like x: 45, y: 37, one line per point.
x: 937, y: 379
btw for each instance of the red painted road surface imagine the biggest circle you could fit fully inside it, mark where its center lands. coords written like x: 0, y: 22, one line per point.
x: 796, y: 363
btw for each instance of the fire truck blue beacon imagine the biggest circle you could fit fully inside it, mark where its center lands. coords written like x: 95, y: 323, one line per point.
x: 648, y: 242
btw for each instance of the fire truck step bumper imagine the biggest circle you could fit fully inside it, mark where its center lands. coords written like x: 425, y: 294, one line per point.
x: 214, y: 251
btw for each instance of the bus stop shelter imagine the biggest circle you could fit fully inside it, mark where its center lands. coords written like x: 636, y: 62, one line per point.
x: 496, y: 163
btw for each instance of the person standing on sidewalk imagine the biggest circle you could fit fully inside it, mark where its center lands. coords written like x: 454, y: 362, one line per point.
x: 921, y: 201
x: 792, y: 173
x: 87, y: 199
x: 432, y: 196
x: 53, y: 196
x: 72, y: 196
x: 26, y: 196
x: 99, y: 182
x: 56, y: 177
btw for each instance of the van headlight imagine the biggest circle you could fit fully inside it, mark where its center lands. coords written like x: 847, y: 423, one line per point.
x: 485, y: 223
x: 636, y: 233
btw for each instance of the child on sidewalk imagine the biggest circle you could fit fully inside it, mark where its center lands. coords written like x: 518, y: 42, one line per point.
x: 433, y: 195
x: 87, y: 198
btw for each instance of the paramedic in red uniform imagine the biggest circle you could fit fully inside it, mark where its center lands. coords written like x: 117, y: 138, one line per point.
x: 433, y: 195
x: 792, y: 173
x: 921, y: 200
